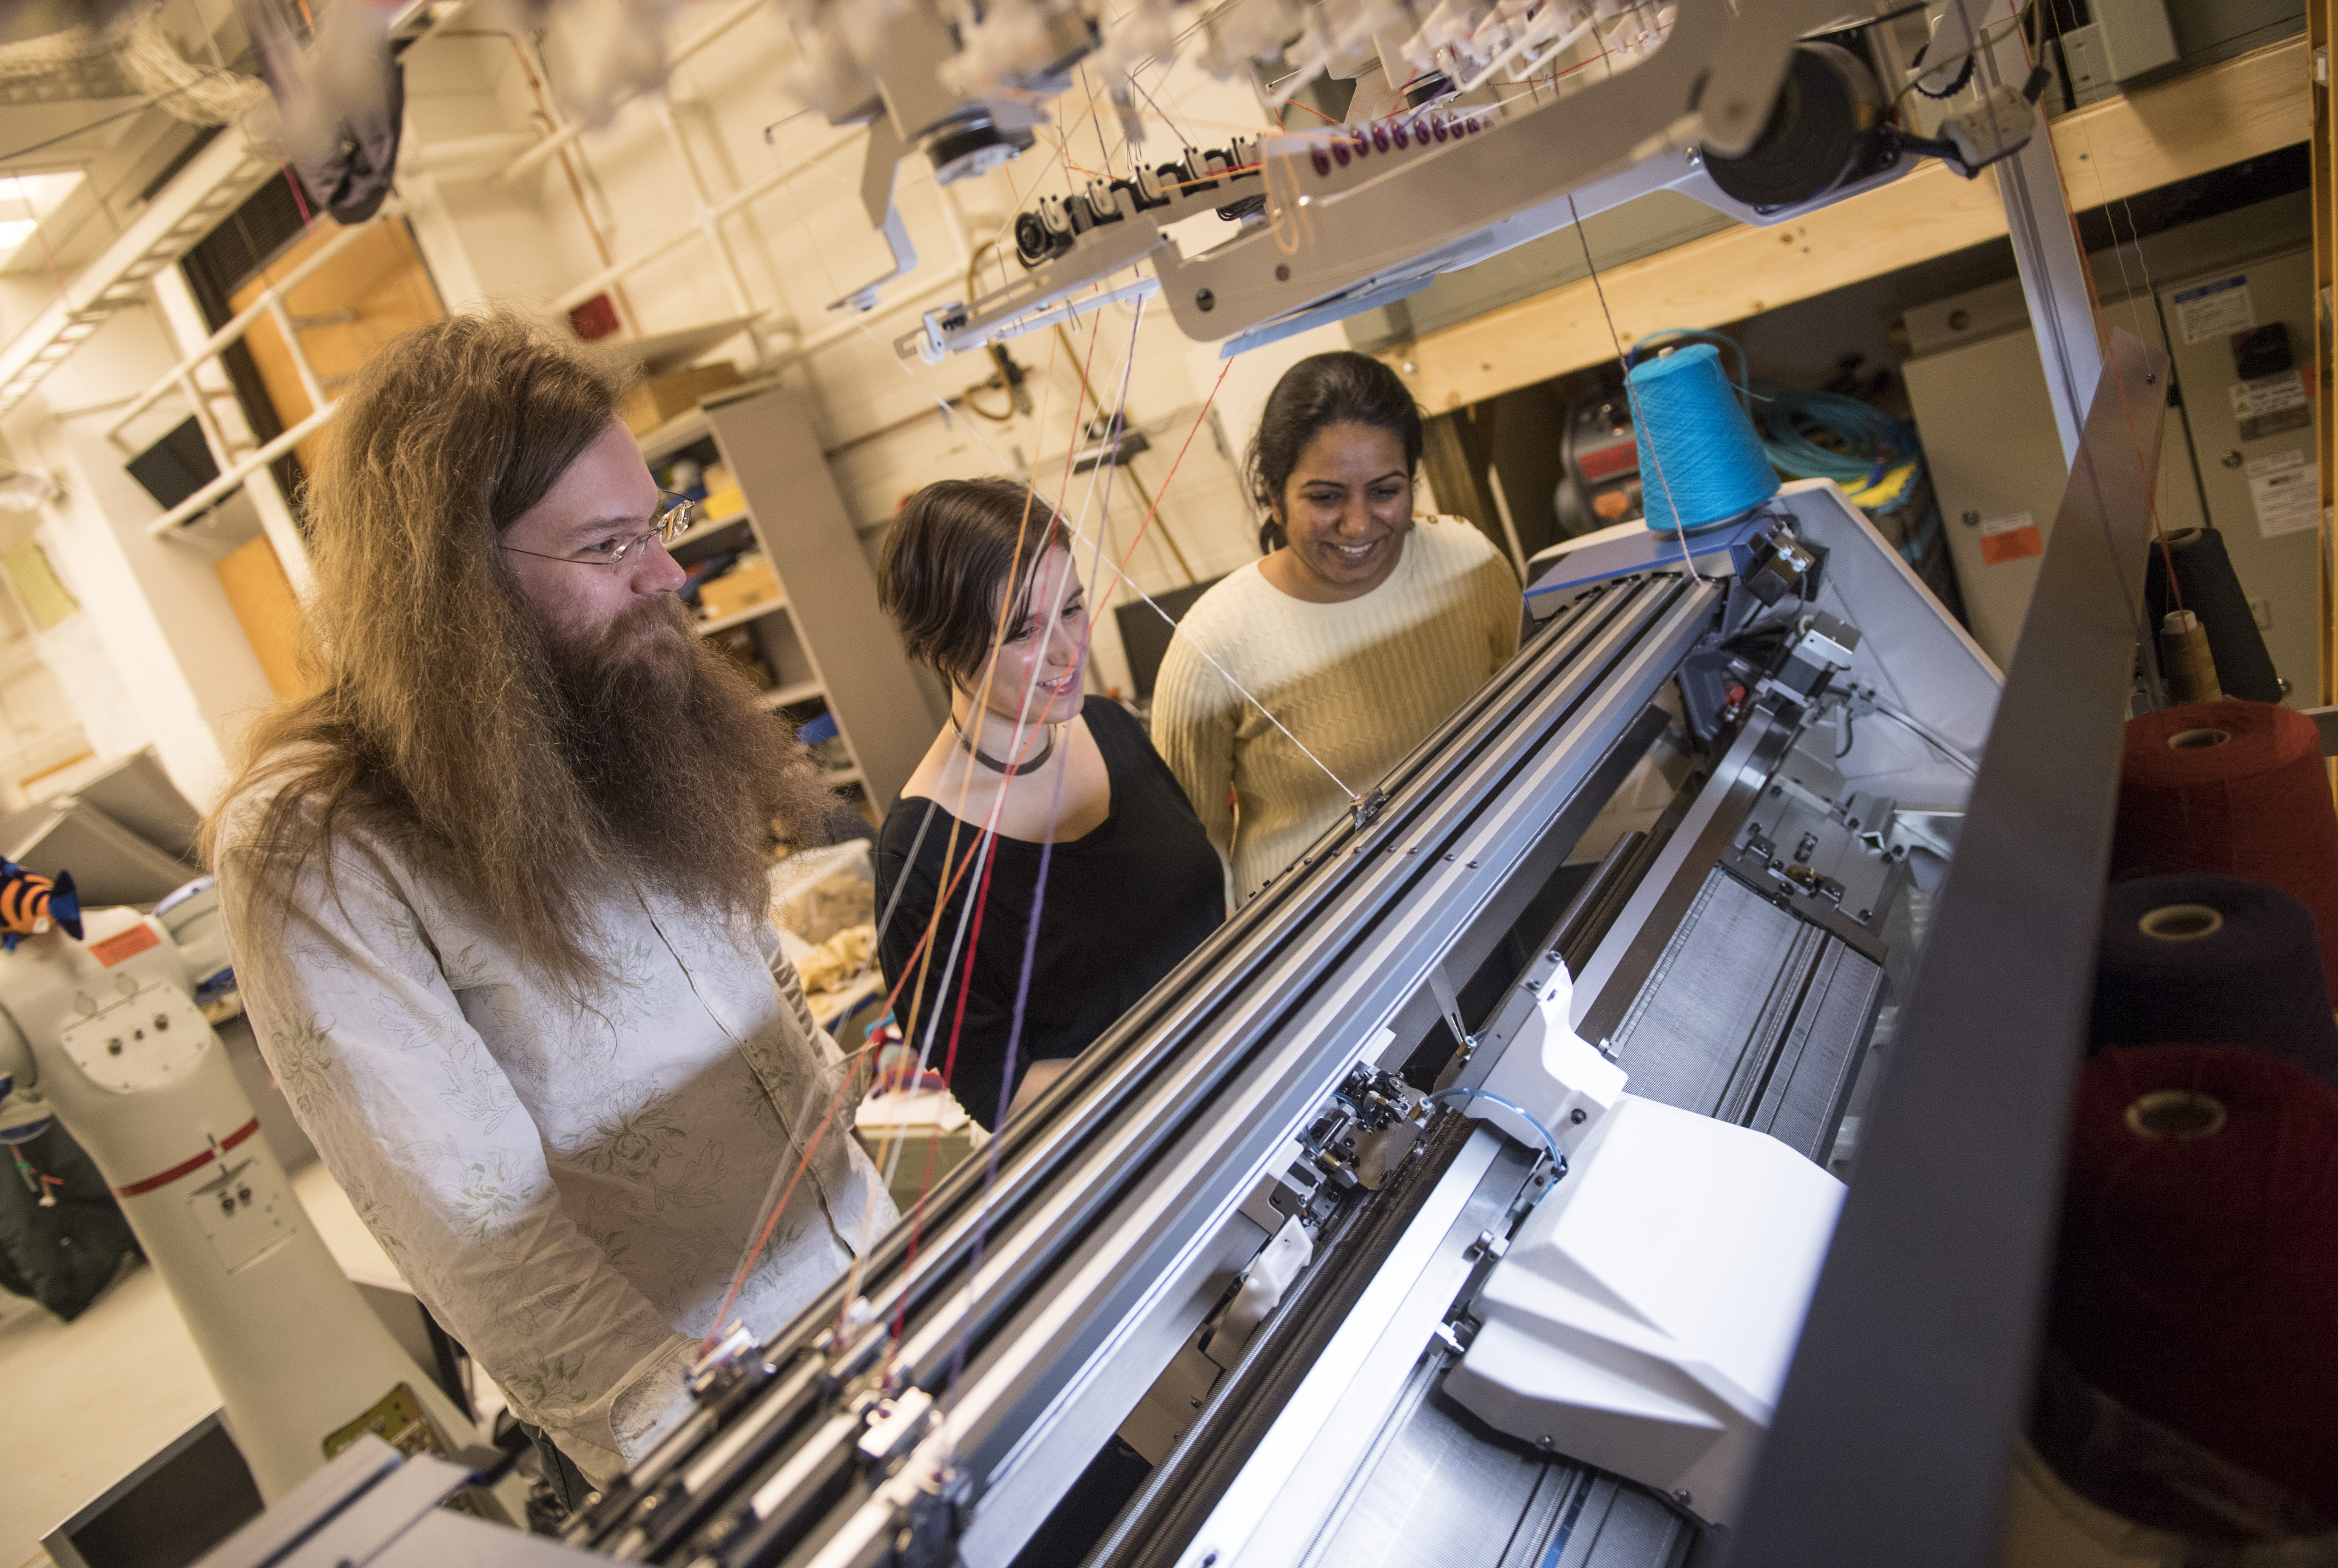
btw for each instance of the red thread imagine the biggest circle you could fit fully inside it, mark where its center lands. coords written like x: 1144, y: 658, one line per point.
x: 187, y: 1167
x: 2254, y: 805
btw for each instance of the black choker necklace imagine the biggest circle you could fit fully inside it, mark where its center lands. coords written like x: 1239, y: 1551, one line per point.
x: 1028, y: 765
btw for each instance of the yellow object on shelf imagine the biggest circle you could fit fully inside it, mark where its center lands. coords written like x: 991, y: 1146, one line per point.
x: 725, y: 503
x: 750, y: 582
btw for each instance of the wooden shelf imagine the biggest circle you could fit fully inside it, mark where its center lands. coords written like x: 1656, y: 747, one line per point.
x: 702, y: 530
x: 788, y: 696
x: 2178, y: 129
x: 740, y: 617
x: 664, y: 440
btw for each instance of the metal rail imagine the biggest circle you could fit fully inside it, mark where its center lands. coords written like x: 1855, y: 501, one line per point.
x: 220, y: 176
x: 1109, y: 1201
x: 270, y: 303
x: 1895, y: 1433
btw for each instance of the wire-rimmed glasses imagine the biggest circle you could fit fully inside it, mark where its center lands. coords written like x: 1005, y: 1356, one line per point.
x: 674, y: 517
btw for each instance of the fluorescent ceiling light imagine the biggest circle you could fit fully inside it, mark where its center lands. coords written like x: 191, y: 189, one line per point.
x: 37, y: 195
x: 25, y: 201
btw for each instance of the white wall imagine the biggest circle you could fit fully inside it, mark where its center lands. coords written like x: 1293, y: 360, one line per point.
x: 154, y: 656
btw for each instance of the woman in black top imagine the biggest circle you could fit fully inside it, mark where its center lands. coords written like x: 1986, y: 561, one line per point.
x: 1071, y: 786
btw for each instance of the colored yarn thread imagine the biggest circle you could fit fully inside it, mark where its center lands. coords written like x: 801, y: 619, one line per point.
x: 2210, y: 590
x: 2198, y: 1278
x: 2234, y: 788
x: 2196, y: 957
x: 1692, y: 431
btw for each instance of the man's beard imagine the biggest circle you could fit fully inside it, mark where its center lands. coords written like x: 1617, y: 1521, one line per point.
x: 688, y: 770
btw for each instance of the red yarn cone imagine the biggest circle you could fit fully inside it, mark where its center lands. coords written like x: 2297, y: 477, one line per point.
x: 2235, y: 788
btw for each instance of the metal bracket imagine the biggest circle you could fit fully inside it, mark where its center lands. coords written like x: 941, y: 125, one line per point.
x: 885, y: 150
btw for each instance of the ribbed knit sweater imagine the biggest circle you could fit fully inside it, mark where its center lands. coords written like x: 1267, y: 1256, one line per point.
x: 1360, y: 683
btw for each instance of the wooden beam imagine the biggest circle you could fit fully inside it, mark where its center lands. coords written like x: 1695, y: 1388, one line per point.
x: 2319, y: 17
x: 2237, y: 109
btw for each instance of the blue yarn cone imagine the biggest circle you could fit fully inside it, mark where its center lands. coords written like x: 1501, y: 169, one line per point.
x: 1685, y: 415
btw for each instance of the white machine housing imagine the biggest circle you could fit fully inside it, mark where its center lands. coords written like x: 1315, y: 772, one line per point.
x: 1551, y: 1070
x: 1645, y: 1315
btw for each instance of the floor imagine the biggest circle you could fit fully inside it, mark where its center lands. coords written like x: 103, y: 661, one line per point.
x: 90, y: 1400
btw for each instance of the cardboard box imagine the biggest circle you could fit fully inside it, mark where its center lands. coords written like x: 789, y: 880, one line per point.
x: 750, y: 582
x: 659, y: 397
x: 721, y: 505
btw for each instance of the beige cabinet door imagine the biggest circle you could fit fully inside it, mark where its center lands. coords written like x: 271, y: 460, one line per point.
x: 2254, y: 441
x: 1988, y: 433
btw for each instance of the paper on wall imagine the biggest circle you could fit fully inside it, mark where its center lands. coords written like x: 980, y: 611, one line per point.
x: 2272, y: 405
x: 2013, y: 538
x: 2215, y: 310
x: 2284, y: 488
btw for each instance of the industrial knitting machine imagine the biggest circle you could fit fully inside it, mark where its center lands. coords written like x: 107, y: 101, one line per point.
x: 1240, y: 1259
x: 1470, y: 1196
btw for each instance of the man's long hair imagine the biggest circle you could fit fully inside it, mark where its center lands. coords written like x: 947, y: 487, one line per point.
x: 447, y: 722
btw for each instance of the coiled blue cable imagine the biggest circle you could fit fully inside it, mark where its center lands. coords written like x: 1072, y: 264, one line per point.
x: 1866, y: 440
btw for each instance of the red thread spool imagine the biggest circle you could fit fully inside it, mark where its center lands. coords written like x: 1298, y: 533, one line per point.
x: 2197, y: 1282
x: 2235, y: 788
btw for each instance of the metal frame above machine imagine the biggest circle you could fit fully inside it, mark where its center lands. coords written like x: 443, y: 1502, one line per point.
x: 1894, y: 1437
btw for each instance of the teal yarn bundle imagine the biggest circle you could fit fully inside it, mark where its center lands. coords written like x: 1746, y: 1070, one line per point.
x: 1700, y: 461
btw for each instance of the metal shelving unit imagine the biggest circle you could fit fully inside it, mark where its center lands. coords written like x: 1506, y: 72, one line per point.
x: 822, y: 637
x: 740, y: 617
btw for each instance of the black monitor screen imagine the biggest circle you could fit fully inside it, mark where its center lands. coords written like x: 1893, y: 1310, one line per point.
x: 1145, y: 636
x: 176, y: 466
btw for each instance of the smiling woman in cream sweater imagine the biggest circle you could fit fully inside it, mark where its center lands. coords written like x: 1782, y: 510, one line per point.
x: 1363, y: 629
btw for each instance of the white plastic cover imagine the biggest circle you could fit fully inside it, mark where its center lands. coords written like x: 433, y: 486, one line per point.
x: 1645, y: 1315
x: 1552, y: 1071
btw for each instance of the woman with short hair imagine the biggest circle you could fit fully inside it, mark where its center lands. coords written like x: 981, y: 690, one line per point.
x: 978, y: 576
x: 1363, y: 628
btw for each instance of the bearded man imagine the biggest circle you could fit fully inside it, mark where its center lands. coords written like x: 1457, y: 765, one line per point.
x: 497, y: 903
